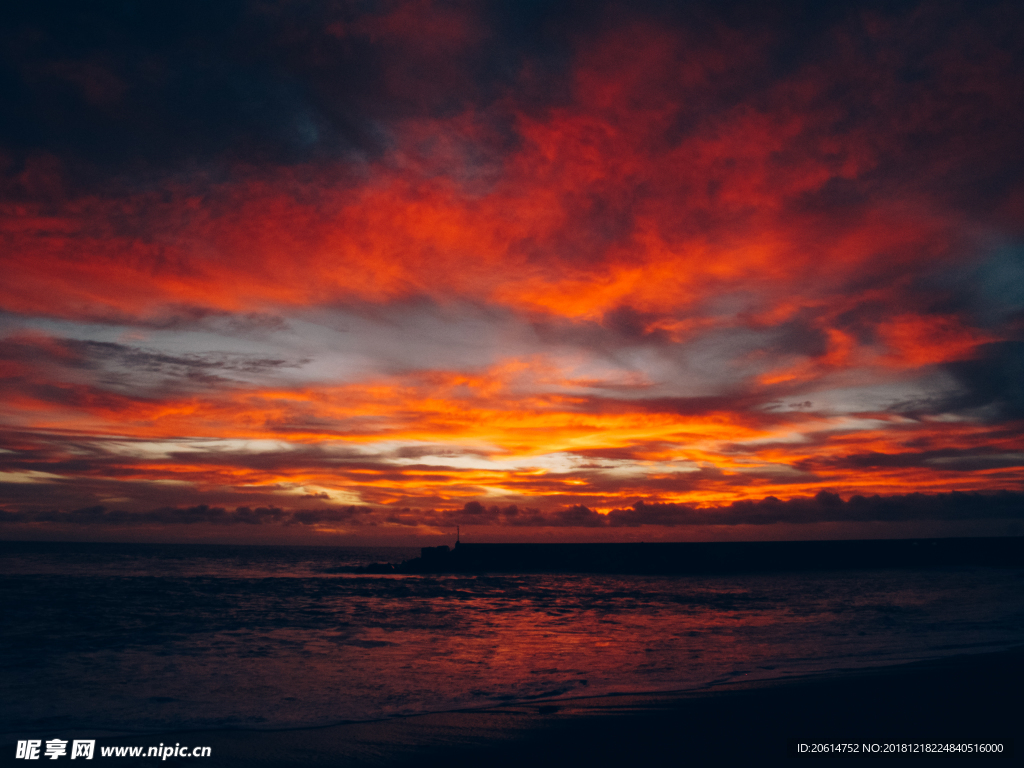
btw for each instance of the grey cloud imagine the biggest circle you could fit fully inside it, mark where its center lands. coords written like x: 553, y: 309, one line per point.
x: 142, y: 359
x: 947, y: 458
x: 829, y: 507
x: 196, y: 515
x: 994, y: 380
x: 824, y: 507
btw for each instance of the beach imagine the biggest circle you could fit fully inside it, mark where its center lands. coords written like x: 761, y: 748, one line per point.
x: 966, y: 699
x: 289, y: 656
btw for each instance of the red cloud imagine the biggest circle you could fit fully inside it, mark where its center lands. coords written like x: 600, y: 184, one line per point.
x: 816, y: 212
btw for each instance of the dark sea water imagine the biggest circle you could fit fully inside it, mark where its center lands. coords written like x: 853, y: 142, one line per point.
x: 113, y: 638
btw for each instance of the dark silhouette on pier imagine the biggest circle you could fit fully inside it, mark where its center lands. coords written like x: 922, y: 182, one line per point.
x: 712, y: 557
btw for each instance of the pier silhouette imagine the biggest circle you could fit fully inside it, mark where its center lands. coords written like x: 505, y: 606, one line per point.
x: 717, y: 557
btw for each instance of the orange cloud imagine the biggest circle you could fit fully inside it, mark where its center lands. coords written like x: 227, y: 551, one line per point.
x: 916, y: 340
x: 711, y: 262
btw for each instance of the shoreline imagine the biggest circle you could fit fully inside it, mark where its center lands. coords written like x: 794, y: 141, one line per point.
x: 966, y: 698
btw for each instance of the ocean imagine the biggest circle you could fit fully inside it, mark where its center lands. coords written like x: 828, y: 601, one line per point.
x: 103, y: 639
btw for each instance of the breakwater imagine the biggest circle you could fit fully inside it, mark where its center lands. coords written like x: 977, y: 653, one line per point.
x: 712, y: 557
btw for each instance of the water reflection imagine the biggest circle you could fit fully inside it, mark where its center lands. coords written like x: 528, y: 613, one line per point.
x: 238, y: 644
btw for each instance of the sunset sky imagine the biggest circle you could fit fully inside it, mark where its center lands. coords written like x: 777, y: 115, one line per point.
x: 365, y: 271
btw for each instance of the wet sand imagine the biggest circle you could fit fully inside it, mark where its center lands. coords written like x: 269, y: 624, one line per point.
x: 963, y: 699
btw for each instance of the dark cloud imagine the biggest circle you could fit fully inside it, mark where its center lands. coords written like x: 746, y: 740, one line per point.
x: 419, y: 451
x: 994, y: 381
x: 201, y: 514
x: 825, y: 507
x: 128, y: 87
x: 829, y: 507
x: 950, y: 459
x: 189, y: 366
x: 120, y: 365
x: 119, y: 85
x: 988, y: 385
x: 168, y: 87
